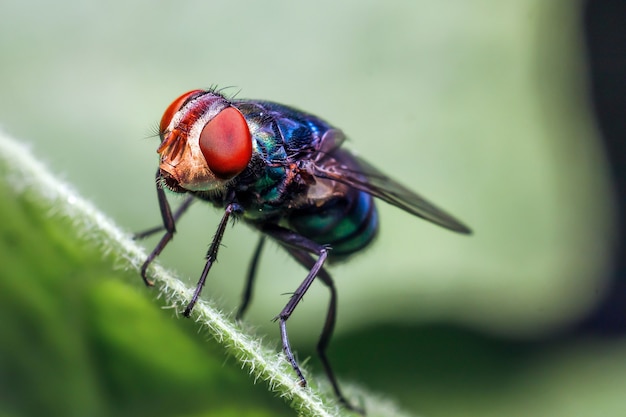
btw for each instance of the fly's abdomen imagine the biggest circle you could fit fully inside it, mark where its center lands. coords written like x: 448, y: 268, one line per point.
x: 347, y: 223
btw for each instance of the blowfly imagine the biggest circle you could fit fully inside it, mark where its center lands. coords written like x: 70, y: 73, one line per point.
x: 285, y: 173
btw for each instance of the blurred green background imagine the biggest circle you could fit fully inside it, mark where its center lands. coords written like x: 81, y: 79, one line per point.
x: 478, y: 105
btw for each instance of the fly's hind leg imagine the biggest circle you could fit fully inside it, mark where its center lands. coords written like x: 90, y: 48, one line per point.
x: 301, y: 249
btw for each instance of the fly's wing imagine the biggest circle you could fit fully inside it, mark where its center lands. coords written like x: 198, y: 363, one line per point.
x: 365, y: 177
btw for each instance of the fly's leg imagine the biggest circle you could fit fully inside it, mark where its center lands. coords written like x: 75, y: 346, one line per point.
x: 306, y: 260
x: 176, y: 215
x: 301, y: 249
x: 211, y: 255
x: 169, y: 224
x: 247, y: 292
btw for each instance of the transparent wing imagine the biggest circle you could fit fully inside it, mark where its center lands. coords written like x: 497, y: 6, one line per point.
x: 342, y: 166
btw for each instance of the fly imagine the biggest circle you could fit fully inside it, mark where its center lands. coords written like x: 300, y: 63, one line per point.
x: 285, y: 173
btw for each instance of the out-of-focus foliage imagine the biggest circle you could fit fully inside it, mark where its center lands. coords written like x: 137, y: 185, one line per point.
x: 479, y: 105
x: 77, y: 340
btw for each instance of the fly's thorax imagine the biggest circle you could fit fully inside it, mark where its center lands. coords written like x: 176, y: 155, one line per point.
x: 205, y: 143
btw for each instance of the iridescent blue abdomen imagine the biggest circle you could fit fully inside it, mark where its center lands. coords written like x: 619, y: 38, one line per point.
x: 347, y: 223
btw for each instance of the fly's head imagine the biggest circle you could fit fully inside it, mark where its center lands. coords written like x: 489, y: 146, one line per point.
x: 205, y: 142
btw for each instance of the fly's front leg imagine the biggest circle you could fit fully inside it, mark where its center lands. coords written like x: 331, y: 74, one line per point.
x: 176, y: 215
x: 169, y: 224
x: 211, y: 255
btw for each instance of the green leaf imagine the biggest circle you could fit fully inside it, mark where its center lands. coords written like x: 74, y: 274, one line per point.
x: 82, y: 336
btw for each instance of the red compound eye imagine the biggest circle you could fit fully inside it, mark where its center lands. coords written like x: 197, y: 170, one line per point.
x: 226, y: 143
x: 173, y: 108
